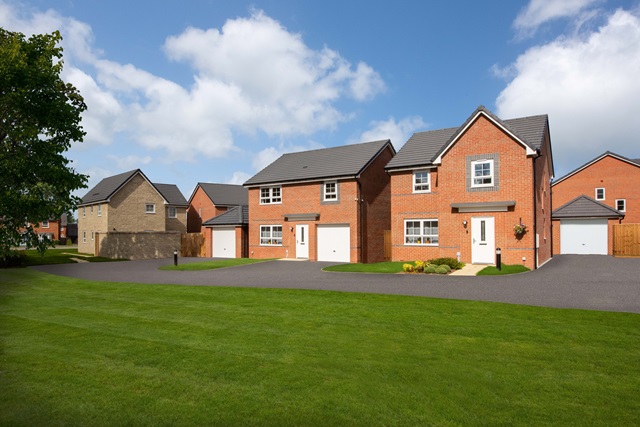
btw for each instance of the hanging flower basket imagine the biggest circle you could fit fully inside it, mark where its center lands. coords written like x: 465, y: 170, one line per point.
x: 519, y: 229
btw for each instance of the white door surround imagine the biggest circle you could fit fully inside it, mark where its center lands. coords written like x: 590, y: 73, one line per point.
x: 302, y: 241
x: 483, y: 240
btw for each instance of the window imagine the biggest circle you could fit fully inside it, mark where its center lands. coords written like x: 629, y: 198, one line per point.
x: 421, y: 182
x: 482, y: 173
x: 92, y: 234
x: 84, y: 237
x: 45, y: 224
x: 91, y: 210
x: 99, y: 210
x: 173, y: 212
x: 150, y: 208
x: 270, y: 235
x: 621, y: 205
x: 421, y: 232
x: 330, y: 191
x: 84, y: 211
x: 600, y: 193
x: 270, y: 195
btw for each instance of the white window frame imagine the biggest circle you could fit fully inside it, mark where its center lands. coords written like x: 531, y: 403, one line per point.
x: 330, y: 196
x: 491, y: 176
x: 84, y: 212
x: 603, y: 194
x: 153, y: 207
x: 624, y: 205
x: 45, y: 224
x: 271, y: 195
x: 84, y: 237
x: 172, y: 212
x: 422, y: 238
x: 267, y: 237
x: 92, y: 235
x: 91, y: 210
x: 99, y: 210
x: 417, y: 184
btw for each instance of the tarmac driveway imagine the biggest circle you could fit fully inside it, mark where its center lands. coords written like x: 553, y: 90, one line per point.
x: 593, y: 282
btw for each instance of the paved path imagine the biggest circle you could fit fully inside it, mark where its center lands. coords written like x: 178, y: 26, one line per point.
x: 571, y: 281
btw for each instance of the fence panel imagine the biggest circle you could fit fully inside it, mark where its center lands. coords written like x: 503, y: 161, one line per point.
x: 192, y: 245
x: 626, y: 240
x: 387, y: 245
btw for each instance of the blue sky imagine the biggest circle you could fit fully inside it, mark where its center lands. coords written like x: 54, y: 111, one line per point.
x: 213, y: 91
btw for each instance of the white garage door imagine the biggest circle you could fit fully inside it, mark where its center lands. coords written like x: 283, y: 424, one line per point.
x: 583, y: 236
x: 224, y: 242
x: 334, y: 243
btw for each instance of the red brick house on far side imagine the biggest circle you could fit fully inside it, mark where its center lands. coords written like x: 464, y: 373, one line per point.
x: 330, y: 204
x: 462, y: 192
x: 589, y: 200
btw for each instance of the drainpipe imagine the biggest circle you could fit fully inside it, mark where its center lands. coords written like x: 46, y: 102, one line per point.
x: 535, y: 213
x: 360, y: 241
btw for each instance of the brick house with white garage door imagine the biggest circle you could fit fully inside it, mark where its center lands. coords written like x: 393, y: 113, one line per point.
x: 331, y: 204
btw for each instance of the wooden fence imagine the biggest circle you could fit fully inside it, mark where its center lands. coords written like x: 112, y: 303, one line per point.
x: 192, y: 245
x: 387, y: 245
x: 626, y: 240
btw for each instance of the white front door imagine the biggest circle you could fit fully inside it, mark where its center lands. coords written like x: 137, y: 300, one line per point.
x: 483, y: 244
x: 302, y: 241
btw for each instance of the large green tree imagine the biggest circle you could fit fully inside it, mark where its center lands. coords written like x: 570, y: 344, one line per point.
x: 39, y: 119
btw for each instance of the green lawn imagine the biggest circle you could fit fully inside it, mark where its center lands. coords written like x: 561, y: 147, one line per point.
x: 213, y: 264
x: 505, y: 269
x: 61, y: 256
x: 378, y: 267
x: 74, y: 352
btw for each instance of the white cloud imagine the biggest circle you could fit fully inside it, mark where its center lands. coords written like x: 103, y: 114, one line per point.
x: 589, y: 86
x: 251, y: 76
x: 129, y: 162
x: 268, y: 155
x: 397, y: 132
x: 239, y: 178
x: 538, y: 12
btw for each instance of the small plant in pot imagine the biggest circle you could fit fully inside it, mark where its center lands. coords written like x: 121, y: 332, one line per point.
x: 519, y: 229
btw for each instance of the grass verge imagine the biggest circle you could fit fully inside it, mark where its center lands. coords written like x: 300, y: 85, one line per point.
x: 506, y: 269
x: 213, y: 264
x: 378, y: 267
x: 76, y: 352
x: 61, y: 256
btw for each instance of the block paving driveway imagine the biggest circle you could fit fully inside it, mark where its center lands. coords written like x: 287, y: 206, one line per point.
x: 594, y: 282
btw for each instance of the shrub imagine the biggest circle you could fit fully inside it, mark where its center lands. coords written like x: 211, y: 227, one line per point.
x: 419, y: 266
x: 13, y: 259
x: 446, y: 267
x: 408, y: 268
x: 451, y: 262
x: 441, y: 270
x: 430, y: 269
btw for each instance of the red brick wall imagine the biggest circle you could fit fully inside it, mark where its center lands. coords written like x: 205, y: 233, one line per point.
x: 543, y: 203
x: 54, y: 227
x: 201, y: 209
x: 448, y: 185
x: 306, y: 199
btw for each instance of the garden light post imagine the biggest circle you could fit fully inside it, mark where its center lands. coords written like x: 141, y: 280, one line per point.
x: 498, y: 258
x: 175, y: 257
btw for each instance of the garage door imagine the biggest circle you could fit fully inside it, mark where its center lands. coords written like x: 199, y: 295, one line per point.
x: 334, y: 243
x: 583, y: 236
x: 224, y: 242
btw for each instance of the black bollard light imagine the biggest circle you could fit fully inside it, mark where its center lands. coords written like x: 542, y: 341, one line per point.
x: 175, y: 257
x: 498, y: 258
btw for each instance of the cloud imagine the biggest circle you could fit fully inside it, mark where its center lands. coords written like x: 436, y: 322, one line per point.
x: 269, y: 154
x: 589, y: 86
x: 252, y: 76
x: 239, y: 178
x: 539, y: 12
x: 129, y: 162
x: 397, y: 132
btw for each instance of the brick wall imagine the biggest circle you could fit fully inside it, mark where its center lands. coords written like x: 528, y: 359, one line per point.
x: 448, y: 185
x: 201, y: 209
x: 91, y: 219
x: 135, y: 245
x: 179, y: 223
x: 127, y: 208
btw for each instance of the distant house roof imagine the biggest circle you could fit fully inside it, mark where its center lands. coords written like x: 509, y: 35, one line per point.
x: 425, y: 148
x: 171, y: 194
x: 224, y: 194
x: 585, y: 207
x: 634, y: 162
x: 336, y: 162
x: 110, y: 185
x: 238, y: 215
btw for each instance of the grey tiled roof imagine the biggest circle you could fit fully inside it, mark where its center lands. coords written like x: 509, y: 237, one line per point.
x: 585, y: 207
x: 346, y: 160
x: 424, y: 147
x: 171, y: 194
x: 107, y: 187
x: 238, y: 215
x: 225, y: 194
x: 590, y: 162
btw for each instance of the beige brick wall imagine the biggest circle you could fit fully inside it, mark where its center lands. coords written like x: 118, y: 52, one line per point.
x: 91, y: 219
x: 127, y: 208
x: 179, y: 223
x: 132, y: 245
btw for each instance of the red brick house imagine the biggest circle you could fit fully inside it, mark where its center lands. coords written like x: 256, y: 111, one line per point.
x: 326, y: 205
x: 209, y: 201
x: 49, y: 229
x: 607, y: 192
x: 461, y: 192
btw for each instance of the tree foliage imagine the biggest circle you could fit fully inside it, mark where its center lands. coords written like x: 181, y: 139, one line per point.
x: 39, y: 119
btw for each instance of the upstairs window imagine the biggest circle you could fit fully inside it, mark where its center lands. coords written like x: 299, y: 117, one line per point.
x: 621, y: 205
x: 600, y: 193
x: 482, y: 173
x: 84, y: 211
x: 99, y: 210
x: 270, y: 195
x: 150, y: 208
x: 45, y: 224
x: 270, y: 235
x: 330, y: 192
x: 421, y: 182
x: 172, y: 212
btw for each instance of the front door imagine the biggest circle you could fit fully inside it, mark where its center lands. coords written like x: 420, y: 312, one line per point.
x: 483, y: 244
x: 302, y: 241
